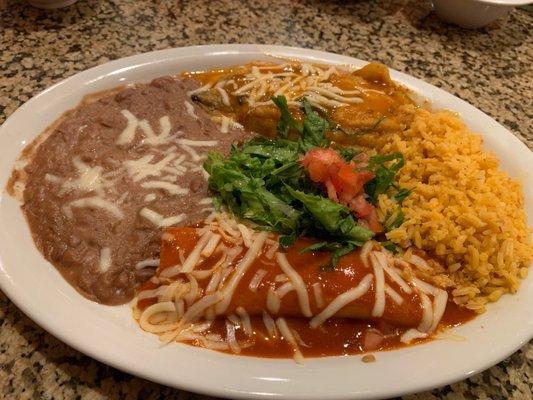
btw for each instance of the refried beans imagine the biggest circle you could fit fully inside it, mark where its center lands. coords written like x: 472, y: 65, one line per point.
x: 112, y: 175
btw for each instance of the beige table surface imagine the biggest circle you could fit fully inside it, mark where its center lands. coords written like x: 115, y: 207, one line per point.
x: 490, y: 68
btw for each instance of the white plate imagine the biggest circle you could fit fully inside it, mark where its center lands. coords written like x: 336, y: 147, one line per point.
x: 110, y: 335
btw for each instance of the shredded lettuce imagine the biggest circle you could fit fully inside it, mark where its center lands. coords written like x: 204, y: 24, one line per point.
x: 385, y: 167
x: 286, y: 121
x: 393, y: 219
x: 262, y: 180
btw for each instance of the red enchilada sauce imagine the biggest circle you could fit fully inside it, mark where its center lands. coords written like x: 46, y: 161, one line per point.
x: 357, y: 334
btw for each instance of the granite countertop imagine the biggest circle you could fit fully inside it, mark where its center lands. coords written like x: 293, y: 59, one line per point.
x: 490, y: 68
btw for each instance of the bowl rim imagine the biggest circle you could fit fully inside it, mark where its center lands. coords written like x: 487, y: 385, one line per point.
x: 495, y: 3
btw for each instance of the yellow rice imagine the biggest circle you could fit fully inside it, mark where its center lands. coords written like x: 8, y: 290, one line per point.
x: 463, y: 209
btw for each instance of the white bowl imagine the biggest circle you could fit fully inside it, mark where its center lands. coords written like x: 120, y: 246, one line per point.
x: 473, y: 14
x: 111, y: 335
x: 51, y: 4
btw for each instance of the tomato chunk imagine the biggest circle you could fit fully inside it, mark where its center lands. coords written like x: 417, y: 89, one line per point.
x: 318, y: 161
x: 344, y: 182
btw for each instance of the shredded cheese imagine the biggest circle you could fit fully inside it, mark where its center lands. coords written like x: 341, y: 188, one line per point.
x: 151, y: 137
x: 89, y: 178
x: 149, y: 197
x: 194, y: 155
x: 206, y: 200
x: 211, y: 245
x: 246, y: 234
x: 328, y: 93
x: 412, y: 334
x: 317, y: 291
x: 223, y: 95
x: 395, y: 276
x: 170, y: 271
x: 193, y: 289
x: 171, y: 188
x: 365, y: 251
x: 195, y: 254
x: 128, y: 134
x: 195, y: 311
x: 273, y: 301
x: 427, y: 313
x: 240, y: 270
x: 272, y: 250
x: 180, y: 307
x: 96, y: 202
x: 197, y: 143
x: 201, y: 89
x: 149, y: 262
x: 148, y: 294
x: 142, y: 168
x: 160, y: 221
x: 342, y: 300
x: 154, y: 309
x: 52, y: 178
x: 214, y: 281
x: 284, y: 289
x: 393, y: 294
x: 105, y: 259
x: 419, y: 262
x: 270, y: 325
x: 289, y: 337
x: 234, y: 320
x: 225, y: 124
x: 424, y: 286
x: 245, y: 319
x: 297, y: 282
x: 439, y: 306
x: 230, y: 338
x: 379, y: 303
x: 256, y: 280
x: 190, y: 110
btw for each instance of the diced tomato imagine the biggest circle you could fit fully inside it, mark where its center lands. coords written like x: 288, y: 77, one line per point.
x: 349, y: 180
x: 373, y: 223
x: 318, y: 160
x: 317, y: 171
x: 366, y: 176
x: 372, y: 339
x: 332, y: 193
x: 343, y: 181
x: 360, y: 206
x: 326, y: 156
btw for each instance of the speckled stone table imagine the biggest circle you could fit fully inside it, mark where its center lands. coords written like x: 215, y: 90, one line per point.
x: 490, y: 68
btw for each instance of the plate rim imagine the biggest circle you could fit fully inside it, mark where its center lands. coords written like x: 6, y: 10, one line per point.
x: 174, y: 53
